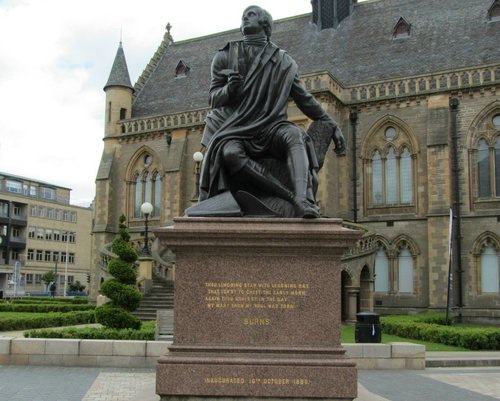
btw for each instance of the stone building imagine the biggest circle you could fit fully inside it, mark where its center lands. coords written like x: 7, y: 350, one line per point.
x: 41, y: 231
x: 414, y: 86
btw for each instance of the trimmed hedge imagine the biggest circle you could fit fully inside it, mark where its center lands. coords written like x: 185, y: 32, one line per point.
x: 146, y: 333
x: 52, y: 319
x: 44, y: 307
x: 430, y: 327
x: 38, y: 300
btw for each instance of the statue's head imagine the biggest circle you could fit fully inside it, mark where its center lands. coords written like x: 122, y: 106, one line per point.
x: 255, y: 19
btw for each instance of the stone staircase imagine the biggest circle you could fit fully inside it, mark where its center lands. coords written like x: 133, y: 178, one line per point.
x: 161, y: 296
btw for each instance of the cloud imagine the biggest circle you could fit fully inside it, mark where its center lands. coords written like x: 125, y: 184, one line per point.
x: 56, y: 60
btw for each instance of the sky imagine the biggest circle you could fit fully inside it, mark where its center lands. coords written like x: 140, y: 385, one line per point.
x: 55, y: 58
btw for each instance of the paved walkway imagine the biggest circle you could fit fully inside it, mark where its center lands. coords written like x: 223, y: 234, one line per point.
x: 40, y: 383
x: 480, y: 381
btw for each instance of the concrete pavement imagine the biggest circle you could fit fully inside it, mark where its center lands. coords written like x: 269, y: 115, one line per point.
x: 28, y: 383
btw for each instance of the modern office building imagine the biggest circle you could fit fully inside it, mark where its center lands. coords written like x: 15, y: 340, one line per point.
x: 41, y: 231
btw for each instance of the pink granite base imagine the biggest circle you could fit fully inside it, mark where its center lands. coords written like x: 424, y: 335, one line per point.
x: 257, y: 309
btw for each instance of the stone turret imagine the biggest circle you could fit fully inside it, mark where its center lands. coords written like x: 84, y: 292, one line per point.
x: 119, y: 91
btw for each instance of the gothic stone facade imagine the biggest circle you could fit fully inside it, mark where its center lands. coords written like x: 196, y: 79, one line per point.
x: 414, y: 85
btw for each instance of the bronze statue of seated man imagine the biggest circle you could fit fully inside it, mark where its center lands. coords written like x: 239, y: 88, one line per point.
x: 256, y: 161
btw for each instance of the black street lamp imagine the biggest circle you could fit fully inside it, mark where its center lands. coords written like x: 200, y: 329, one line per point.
x: 146, y: 209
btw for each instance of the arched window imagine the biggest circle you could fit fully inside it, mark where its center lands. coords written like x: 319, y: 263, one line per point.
x: 157, y: 194
x: 381, y: 271
x: 405, y: 271
x: 490, y: 279
x: 483, y: 169
x: 391, y: 177
x: 390, y: 153
x: 497, y: 166
x: 405, y: 177
x: 145, y: 186
x: 148, y: 188
x: 137, y: 196
x: 377, y: 197
x: 394, y: 174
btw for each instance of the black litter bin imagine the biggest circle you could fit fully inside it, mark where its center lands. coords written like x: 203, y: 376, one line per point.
x: 367, y: 328
x: 1, y: 294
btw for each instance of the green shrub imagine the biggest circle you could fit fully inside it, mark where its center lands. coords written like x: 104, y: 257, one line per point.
x: 122, y: 296
x: 116, y: 318
x: 44, y: 300
x: 433, y: 328
x: 52, y: 319
x: 122, y: 271
x: 146, y: 333
x: 44, y: 307
x: 121, y: 289
x: 124, y: 251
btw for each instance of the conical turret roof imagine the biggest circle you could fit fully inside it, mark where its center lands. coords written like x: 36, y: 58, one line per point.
x: 119, y: 75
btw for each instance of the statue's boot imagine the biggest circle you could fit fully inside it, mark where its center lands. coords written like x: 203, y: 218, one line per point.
x: 299, y: 169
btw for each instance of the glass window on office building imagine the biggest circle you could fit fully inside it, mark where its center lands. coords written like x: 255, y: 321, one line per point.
x: 47, y: 193
x: 14, y: 186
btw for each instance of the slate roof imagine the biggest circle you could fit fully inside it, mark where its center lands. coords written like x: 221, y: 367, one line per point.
x: 445, y: 35
x: 119, y: 75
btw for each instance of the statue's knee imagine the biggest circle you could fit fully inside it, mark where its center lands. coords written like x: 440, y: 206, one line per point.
x: 233, y: 155
x: 294, y: 136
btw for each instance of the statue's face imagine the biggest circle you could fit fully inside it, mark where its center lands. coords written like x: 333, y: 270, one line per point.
x: 250, y: 22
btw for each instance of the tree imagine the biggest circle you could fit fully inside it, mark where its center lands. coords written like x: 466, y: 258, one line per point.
x: 76, y: 286
x: 49, y: 277
x: 121, y: 289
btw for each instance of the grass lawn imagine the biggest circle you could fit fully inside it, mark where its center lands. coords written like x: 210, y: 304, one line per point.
x: 347, y: 336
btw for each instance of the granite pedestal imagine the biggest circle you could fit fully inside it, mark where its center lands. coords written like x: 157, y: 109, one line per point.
x: 257, y: 310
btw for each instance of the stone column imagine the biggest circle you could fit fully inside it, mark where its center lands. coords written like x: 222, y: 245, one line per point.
x: 352, y: 303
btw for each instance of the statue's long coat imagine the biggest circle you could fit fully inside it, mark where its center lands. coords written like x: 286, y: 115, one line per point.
x: 254, y: 116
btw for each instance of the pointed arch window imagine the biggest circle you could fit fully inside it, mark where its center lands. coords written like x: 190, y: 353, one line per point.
x: 405, y: 271
x: 391, y: 177
x: 405, y: 177
x: 377, y: 197
x: 488, y: 169
x: 490, y: 273
x: 392, y: 182
x: 148, y: 192
x: 157, y: 194
x: 137, y: 196
x: 381, y: 271
x: 145, y: 186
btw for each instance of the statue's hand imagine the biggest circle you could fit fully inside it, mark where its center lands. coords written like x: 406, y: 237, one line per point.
x: 235, y: 84
x: 339, y: 141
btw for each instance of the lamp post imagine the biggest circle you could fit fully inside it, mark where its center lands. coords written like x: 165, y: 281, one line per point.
x: 146, y: 209
x: 198, y: 158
